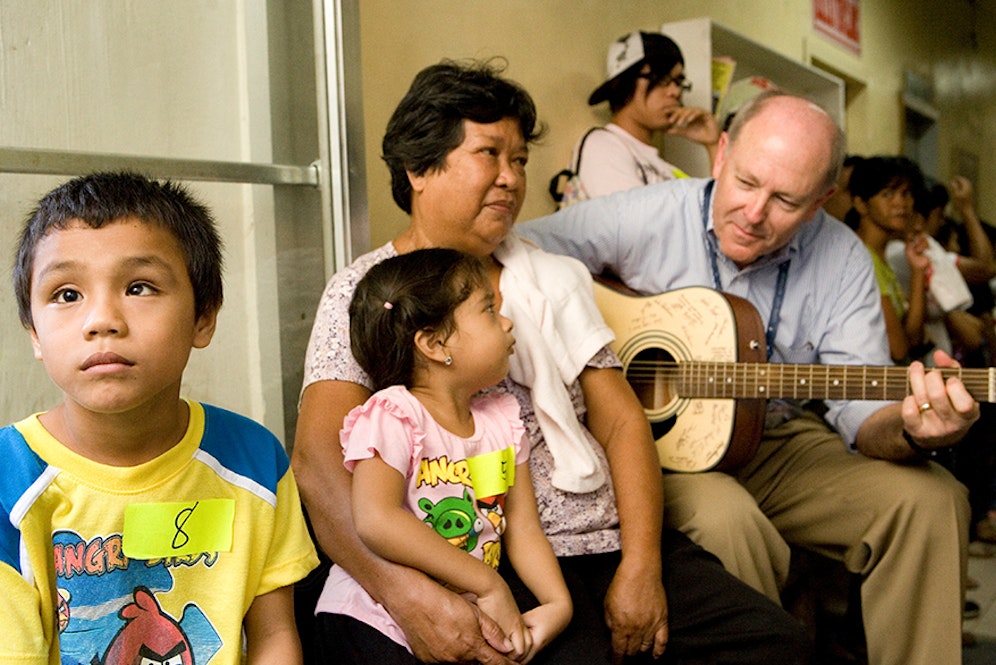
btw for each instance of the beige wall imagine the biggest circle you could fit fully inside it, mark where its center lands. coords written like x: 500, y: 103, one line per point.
x: 556, y: 49
x: 122, y: 78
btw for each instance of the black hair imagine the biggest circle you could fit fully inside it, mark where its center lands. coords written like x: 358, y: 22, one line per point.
x: 875, y: 174
x: 850, y: 160
x: 935, y: 195
x: 662, y: 54
x: 402, y: 295
x: 99, y: 199
x: 851, y: 217
x: 428, y: 122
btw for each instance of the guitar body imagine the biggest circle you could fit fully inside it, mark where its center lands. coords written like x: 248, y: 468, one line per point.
x: 690, y: 324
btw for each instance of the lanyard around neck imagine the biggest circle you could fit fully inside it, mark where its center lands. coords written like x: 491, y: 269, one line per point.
x: 780, y: 285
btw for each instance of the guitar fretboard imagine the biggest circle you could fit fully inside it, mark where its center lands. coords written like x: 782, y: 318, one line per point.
x: 702, y: 379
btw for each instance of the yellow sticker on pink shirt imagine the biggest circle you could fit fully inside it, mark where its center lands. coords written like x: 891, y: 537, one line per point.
x: 492, y: 473
x: 159, y: 530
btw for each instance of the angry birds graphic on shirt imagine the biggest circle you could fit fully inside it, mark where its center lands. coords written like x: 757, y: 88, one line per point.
x: 111, y: 608
x: 455, y: 519
x: 149, y: 636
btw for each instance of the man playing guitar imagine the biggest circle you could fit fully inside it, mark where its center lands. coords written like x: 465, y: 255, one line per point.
x: 757, y: 231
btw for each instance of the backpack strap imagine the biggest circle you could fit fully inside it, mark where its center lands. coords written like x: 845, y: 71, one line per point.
x: 577, y: 164
x: 559, y: 180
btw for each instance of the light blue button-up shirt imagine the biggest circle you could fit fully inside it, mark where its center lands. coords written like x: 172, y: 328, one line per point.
x: 655, y: 239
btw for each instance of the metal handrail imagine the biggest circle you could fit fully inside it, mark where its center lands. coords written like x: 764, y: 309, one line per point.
x: 57, y: 162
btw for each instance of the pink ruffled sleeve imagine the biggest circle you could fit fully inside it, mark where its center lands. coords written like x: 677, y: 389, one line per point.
x: 386, y: 426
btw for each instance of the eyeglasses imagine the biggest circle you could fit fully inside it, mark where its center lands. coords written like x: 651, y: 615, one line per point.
x: 683, y: 84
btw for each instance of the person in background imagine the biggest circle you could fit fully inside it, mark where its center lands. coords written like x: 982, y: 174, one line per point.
x: 457, y: 145
x: 969, y: 245
x: 757, y: 231
x: 644, y: 84
x: 425, y: 328
x: 882, y: 195
x: 188, y: 514
x: 977, y: 264
x: 947, y: 321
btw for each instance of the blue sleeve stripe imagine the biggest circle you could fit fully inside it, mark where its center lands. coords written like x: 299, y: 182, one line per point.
x: 236, y: 479
x: 244, y: 448
x: 25, y: 477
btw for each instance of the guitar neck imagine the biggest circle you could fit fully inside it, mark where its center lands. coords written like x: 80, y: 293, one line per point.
x: 845, y: 382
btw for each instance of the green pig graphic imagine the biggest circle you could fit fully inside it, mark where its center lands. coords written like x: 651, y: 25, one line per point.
x: 454, y: 519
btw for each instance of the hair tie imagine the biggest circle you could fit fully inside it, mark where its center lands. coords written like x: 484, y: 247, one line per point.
x: 388, y: 305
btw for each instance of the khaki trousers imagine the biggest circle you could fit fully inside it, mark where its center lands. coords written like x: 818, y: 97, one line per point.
x: 903, y: 528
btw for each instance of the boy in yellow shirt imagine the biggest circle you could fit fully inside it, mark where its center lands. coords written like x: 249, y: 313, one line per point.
x: 138, y: 526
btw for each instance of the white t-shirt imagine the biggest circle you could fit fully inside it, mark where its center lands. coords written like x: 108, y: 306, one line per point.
x: 614, y: 160
x: 946, y: 288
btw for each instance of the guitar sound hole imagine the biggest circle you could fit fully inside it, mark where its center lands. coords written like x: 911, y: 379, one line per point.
x: 659, y: 428
x: 652, y: 374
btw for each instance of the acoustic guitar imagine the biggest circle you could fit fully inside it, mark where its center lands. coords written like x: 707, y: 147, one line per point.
x: 696, y: 358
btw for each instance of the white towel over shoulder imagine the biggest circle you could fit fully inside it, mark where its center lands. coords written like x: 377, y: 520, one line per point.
x: 558, y: 329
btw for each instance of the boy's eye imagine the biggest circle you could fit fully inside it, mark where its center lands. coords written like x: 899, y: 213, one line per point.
x: 139, y: 289
x: 67, y: 296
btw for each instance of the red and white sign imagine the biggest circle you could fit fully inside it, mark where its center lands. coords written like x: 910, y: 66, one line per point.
x: 838, y: 20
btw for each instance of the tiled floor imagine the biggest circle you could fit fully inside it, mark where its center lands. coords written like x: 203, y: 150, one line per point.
x: 984, y: 627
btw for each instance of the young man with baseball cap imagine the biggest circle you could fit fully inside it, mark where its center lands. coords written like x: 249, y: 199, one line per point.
x: 644, y: 84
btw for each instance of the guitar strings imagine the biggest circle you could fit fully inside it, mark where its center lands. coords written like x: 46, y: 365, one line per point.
x: 889, y: 382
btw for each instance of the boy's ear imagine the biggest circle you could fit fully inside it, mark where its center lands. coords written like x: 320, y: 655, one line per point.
x: 430, y: 344
x: 35, y: 344
x: 204, y: 328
